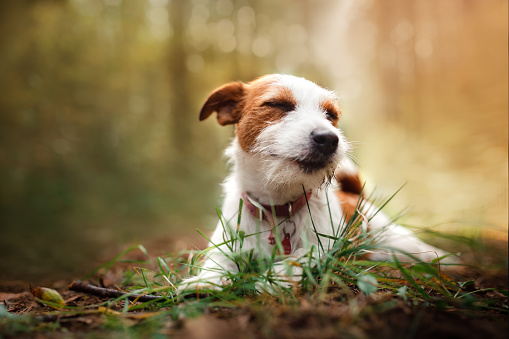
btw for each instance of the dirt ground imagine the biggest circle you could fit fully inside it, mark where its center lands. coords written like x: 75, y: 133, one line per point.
x: 380, y: 315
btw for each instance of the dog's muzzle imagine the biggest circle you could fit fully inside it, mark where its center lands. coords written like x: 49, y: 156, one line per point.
x: 323, y: 147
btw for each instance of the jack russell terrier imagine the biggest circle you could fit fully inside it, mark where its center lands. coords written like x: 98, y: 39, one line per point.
x: 291, y: 170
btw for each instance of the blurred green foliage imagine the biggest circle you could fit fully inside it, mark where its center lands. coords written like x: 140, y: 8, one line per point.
x: 99, y: 134
x: 100, y: 143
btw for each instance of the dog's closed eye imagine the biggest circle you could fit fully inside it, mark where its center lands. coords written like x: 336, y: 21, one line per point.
x: 282, y: 105
x: 331, y: 110
x: 331, y: 115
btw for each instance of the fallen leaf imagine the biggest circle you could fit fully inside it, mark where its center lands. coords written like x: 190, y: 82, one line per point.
x: 50, y: 295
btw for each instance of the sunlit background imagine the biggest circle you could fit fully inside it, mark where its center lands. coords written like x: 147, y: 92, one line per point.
x: 100, y: 144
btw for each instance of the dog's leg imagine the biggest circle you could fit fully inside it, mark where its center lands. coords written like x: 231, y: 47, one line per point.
x: 392, y: 240
x: 286, y: 273
x: 212, y: 273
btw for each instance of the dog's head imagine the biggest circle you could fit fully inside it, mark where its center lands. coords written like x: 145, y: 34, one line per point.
x: 285, y: 125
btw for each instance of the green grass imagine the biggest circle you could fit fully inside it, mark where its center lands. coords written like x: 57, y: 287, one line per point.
x: 339, y: 273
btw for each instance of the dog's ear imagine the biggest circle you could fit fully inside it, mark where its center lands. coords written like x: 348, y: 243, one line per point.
x: 227, y: 101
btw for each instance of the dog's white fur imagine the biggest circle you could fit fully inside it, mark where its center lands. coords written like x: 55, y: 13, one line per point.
x: 269, y: 171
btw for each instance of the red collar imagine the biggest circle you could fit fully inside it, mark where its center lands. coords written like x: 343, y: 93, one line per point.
x: 281, y: 211
x: 265, y: 212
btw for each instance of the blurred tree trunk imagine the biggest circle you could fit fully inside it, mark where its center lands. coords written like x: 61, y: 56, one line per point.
x: 179, y: 81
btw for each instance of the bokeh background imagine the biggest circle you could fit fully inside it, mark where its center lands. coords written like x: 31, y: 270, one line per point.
x: 100, y: 145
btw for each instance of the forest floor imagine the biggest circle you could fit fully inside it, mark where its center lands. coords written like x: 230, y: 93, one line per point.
x: 340, y: 311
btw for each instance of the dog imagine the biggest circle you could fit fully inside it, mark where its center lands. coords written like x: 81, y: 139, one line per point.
x: 292, y: 172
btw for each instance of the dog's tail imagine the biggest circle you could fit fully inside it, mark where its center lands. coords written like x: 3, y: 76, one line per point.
x: 347, y: 175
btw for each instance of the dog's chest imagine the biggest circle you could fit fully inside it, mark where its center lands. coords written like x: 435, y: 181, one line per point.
x: 296, y: 231
x: 285, y: 236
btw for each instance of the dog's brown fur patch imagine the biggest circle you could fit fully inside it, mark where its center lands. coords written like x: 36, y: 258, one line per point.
x: 350, y: 183
x: 348, y: 202
x: 331, y: 106
x: 255, y: 115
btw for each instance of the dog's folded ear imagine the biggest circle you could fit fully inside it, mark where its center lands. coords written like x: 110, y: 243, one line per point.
x: 227, y: 101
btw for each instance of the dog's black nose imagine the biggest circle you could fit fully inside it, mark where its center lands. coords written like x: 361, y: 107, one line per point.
x: 324, y: 141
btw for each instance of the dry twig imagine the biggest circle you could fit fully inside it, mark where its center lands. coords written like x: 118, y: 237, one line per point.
x: 79, y: 286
